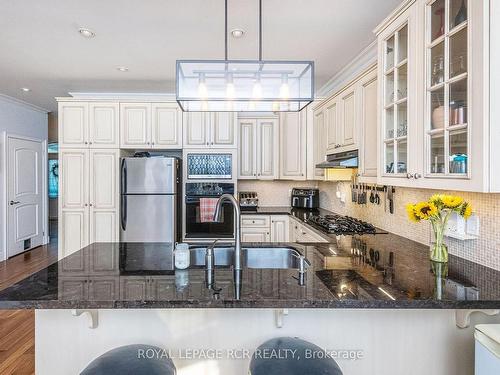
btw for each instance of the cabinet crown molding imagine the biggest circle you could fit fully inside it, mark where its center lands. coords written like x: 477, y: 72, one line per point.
x: 394, y: 14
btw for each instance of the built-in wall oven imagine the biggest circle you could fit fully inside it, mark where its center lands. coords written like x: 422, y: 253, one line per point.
x: 194, y: 227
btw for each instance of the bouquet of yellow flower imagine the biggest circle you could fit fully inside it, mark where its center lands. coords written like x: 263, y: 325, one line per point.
x: 438, y: 210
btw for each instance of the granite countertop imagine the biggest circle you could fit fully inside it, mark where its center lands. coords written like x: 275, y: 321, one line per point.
x: 372, y: 271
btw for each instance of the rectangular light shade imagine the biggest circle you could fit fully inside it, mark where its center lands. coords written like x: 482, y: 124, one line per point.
x: 244, y: 86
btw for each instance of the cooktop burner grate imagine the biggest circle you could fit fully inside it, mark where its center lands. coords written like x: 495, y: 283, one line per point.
x: 337, y: 224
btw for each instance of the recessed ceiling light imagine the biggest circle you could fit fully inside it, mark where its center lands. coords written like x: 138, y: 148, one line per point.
x: 25, y: 89
x: 237, y: 33
x: 122, y: 68
x: 86, y: 33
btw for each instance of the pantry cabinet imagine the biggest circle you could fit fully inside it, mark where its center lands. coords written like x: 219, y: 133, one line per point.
x: 293, y: 145
x: 150, y: 126
x: 258, y: 148
x: 210, y: 130
x: 88, y: 124
x: 434, y: 115
x: 88, y: 203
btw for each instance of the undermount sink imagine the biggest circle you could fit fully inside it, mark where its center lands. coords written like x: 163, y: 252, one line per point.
x: 251, y: 257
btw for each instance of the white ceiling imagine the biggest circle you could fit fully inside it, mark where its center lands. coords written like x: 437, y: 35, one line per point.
x: 41, y: 48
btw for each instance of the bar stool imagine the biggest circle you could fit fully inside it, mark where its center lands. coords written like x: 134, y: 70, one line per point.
x: 294, y: 358
x: 132, y: 360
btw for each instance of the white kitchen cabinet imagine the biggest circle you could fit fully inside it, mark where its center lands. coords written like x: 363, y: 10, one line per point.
x: 434, y: 111
x: 332, y: 124
x: 319, y: 142
x: 104, y: 125
x: 88, y: 125
x: 150, y: 126
x: 166, y: 126
x: 73, y: 120
x: 368, y: 154
x: 135, y: 125
x: 255, y: 235
x: 299, y: 232
x: 258, y: 148
x: 280, y: 226
x: 265, y: 228
x: 88, y: 203
x: 348, y: 120
x: 210, y: 129
x: 293, y: 145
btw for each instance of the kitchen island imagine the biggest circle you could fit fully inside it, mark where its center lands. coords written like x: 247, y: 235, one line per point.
x: 359, y: 294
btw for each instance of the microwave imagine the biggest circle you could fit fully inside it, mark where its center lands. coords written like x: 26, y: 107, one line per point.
x: 203, y: 165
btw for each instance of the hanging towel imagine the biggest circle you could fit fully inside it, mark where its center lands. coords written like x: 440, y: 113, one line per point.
x: 207, y: 209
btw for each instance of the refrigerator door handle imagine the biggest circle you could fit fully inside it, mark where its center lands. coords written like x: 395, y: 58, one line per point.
x: 123, y: 180
x: 123, y: 211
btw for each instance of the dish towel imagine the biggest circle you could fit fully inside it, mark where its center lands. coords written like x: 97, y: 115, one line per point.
x: 207, y: 209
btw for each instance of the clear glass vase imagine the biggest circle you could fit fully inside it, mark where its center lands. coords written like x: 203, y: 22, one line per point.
x: 439, y: 250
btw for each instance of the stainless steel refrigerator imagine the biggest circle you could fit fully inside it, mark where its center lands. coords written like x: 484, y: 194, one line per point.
x: 148, y: 199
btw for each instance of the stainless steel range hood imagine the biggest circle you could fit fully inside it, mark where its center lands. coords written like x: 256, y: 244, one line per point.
x: 341, y: 160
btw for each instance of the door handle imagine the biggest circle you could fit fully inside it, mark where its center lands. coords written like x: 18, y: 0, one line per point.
x: 14, y: 202
x: 123, y: 212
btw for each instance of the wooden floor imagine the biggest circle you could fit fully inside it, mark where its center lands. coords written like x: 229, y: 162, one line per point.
x: 17, y: 327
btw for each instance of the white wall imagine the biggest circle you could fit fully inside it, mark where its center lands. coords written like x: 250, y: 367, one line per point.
x: 17, y: 118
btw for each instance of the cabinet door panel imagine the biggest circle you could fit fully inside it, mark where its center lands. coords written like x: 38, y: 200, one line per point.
x: 348, y: 129
x: 292, y: 146
x: 103, y: 179
x: 267, y: 149
x: 73, y: 231
x: 166, y: 126
x: 104, y: 260
x: 73, y: 184
x: 247, y: 155
x: 196, y: 126
x: 332, y: 125
x: 103, y: 125
x: 255, y: 235
x: 73, y: 124
x: 224, y: 130
x: 135, y: 125
x: 320, y: 142
x: 103, y: 226
x: 280, y: 228
x: 368, y: 147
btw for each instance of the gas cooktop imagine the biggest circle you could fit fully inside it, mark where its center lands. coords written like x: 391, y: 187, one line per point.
x: 338, y: 224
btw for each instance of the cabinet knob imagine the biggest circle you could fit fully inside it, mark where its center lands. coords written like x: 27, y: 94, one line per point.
x: 417, y: 176
x: 90, y: 143
x: 152, y: 143
x: 86, y: 143
x: 90, y: 204
x: 86, y: 204
x: 409, y: 175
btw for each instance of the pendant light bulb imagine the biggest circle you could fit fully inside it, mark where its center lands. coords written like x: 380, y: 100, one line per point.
x: 230, y: 92
x: 284, y: 88
x: 257, y: 88
x: 202, y: 87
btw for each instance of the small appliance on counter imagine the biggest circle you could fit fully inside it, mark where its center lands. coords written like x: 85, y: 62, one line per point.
x: 248, y: 200
x: 305, y: 198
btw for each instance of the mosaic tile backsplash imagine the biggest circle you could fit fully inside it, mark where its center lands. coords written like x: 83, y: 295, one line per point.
x: 485, y: 250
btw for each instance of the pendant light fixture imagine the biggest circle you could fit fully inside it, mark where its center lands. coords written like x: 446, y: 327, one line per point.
x: 244, y: 85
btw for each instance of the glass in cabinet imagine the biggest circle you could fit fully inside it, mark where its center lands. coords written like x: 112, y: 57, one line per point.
x: 447, y: 86
x: 395, y: 115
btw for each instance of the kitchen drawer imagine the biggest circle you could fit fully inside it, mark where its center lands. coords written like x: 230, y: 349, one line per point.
x: 255, y: 221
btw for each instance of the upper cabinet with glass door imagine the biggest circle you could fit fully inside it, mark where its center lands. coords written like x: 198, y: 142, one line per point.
x: 447, y: 134
x: 397, y: 71
x: 436, y: 126
x: 457, y: 122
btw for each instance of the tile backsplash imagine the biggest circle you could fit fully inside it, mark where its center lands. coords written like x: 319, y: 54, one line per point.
x: 485, y: 250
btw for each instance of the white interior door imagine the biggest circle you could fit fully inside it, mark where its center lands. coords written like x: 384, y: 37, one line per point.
x: 25, y: 198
